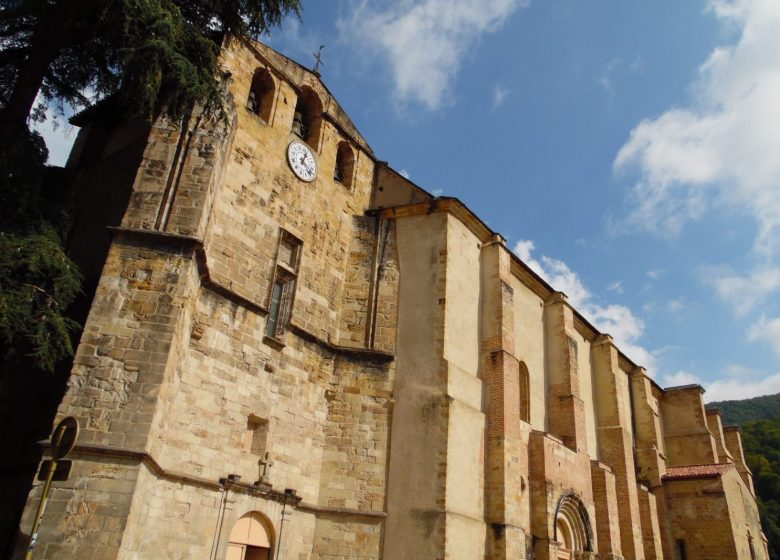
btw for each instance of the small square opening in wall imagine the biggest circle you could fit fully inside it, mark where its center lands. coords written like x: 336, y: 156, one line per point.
x: 288, y: 250
x: 256, y: 440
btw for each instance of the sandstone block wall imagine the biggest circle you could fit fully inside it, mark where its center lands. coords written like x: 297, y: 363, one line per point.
x: 428, y: 397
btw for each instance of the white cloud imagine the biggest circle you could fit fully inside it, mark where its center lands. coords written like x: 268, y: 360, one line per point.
x: 741, y: 388
x: 405, y: 174
x: 680, y: 378
x: 722, y: 149
x: 59, y: 136
x: 744, y: 293
x: 499, y: 95
x: 616, y: 320
x: 767, y: 330
x: 655, y: 274
x: 424, y: 41
x: 741, y: 383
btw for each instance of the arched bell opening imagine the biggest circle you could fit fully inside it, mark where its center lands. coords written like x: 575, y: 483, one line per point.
x: 251, y: 538
x: 307, y: 119
x: 261, y: 94
x: 572, y: 529
x: 345, y: 164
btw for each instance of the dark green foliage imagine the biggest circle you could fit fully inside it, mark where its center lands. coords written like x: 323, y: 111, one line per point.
x: 153, y: 56
x: 740, y: 412
x: 37, y: 280
x: 760, y: 421
x: 158, y: 55
x: 761, y: 442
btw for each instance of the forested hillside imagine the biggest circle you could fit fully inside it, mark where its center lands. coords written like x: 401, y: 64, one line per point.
x: 761, y: 441
x: 741, y: 412
x: 760, y: 421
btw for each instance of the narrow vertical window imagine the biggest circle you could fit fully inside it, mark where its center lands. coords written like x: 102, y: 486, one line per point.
x: 681, y: 551
x: 283, y: 287
x: 525, y: 393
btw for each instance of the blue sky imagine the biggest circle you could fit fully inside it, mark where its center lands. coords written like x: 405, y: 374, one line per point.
x: 629, y: 150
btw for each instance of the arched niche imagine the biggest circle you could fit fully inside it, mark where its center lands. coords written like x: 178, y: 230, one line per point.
x: 260, y: 99
x: 251, y: 538
x: 307, y: 119
x: 572, y: 529
x: 345, y: 164
x: 524, y: 388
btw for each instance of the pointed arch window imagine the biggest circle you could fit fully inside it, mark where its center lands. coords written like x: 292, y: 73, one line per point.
x: 572, y: 530
x: 525, y: 393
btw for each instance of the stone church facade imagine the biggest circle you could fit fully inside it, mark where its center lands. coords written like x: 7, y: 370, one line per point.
x: 300, y: 362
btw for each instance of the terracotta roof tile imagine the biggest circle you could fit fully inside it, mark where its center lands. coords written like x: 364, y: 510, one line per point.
x: 697, y: 471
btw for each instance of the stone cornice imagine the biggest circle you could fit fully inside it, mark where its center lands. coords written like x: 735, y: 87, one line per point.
x: 521, y: 270
x: 201, y: 258
x: 261, y: 491
x: 449, y: 205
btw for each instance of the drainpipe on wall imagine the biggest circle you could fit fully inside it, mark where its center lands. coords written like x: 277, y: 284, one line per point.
x: 289, y: 495
x: 224, y: 484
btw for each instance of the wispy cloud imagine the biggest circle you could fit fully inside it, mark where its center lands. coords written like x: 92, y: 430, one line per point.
x: 637, y: 65
x: 722, y: 148
x: 730, y: 389
x: 606, y: 77
x: 655, y: 274
x: 743, y: 291
x: 740, y: 383
x: 720, y: 151
x: 499, y: 95
x: 300, y: 41
x: 767, y: 330
x: 404, y: 173
x: 675, y: 305
x: 616, y: 286
x: 617, y: 320
x: 680, y: 378
x: 423, y: 41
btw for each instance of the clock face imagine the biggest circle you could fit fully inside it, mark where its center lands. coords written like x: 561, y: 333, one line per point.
x: 302, y: 161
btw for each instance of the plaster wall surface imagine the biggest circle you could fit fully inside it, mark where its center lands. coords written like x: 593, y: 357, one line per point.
x: 418, y: 454
x: 529, y: 347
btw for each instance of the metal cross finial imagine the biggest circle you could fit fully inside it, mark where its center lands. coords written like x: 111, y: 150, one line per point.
x: 318, y: 58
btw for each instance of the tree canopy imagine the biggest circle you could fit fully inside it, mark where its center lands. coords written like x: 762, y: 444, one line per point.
x: 157, y: 55
x: 761, y: 440
x: 152, y: 57
x: 765, y: 407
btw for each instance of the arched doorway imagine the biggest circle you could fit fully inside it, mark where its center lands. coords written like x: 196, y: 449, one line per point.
x: 251, y: 538
x: 572, y: 528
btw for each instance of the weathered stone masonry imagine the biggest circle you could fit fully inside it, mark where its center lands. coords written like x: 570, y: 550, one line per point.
x: 422, y: 393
